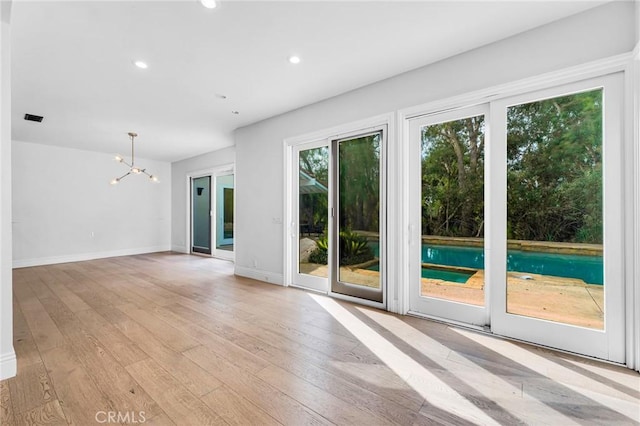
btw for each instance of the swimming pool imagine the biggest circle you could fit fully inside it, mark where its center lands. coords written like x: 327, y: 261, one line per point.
x: 587, y: 268
x: 438, y: 274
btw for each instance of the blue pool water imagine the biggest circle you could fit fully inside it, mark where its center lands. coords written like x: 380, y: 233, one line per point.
x: 587, y: 268
x: 451, y: 276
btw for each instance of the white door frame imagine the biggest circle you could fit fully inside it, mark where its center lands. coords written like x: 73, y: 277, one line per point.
x: 213, y: 172
x: 311, y: 282
x: 289, y: 230
x: 606, y: 344
x: 431, y: 306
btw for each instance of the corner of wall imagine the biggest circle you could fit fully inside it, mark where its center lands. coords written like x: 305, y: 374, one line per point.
x: 8, y: 364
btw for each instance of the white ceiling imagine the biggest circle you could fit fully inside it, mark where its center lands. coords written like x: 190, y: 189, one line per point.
x: 72, y: 62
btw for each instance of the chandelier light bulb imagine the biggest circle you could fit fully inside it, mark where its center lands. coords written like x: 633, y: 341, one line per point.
x: 115, y: 181
x: 119, y: 158
x: 153, y: 178
x: 135, y: 170
x: 209, y: 4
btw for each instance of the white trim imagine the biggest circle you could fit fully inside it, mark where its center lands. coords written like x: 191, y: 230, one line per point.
x: 179, y: 249
x: 555, y: 78
x: 287, y: 215
x: 25, y: 263
x: 259, y: 275
x: 8, y: 365
x: 342, y: 130
x: 633, y: 266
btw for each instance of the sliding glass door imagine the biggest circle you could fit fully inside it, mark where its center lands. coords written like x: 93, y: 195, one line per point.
x: 560, y: 160
x: 358, y: 223
x: 337, y: 230
x: 447, y: 204
x: 516, y: 214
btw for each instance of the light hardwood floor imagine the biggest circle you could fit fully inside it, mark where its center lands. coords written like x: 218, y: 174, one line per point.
x: 176, y: 339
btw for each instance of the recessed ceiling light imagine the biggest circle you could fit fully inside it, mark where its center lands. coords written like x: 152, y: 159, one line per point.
x: 235, y: 112
x: 209, y: 4
x: 141, y: 64
x: 294, y: 59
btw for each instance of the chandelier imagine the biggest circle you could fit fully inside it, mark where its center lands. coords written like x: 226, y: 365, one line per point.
x: 132, y: 168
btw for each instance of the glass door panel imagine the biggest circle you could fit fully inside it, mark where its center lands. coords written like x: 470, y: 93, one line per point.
x: 224, y: 212
x: 452, y: 234
x: 560, y: 182
x: 448, y: 221
x: 554, y: 210
x: 357, y: 201
x: 201, y: 215
x: 313, y: 205
x: 311, y: 216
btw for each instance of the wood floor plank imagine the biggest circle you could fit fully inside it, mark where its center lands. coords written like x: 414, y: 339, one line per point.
x: 181, y: 406
x: 68, y: 297
x: 223, y: 347
x: 124, y: 350
x: 320, y: 401
x: 189, y: 374
x: 236, y: 410
x: 48, y: 414
x: 31, y: 388
x: 161, y: 330
x: 388, y: 401
x: 374, y: 377
x: 106, y: 372
x: 6, y: 407
x: 46, y: 334
x: 25, y: 347
x: 76, y: 392
x: 278, y: 405
x: 112, y: 378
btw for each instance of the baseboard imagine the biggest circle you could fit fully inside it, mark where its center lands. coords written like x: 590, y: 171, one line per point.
x: 256, y: 274
x: 8, y: 365
x: 25, y: 263
x: 179, y: 249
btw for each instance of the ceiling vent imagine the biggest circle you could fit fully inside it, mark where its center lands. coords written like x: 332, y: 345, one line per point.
x: 31, y: 117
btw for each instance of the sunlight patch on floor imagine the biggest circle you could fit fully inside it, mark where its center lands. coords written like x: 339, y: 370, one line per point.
x: 579, y: 383
x: 430, y: 347
x: 429, y: 386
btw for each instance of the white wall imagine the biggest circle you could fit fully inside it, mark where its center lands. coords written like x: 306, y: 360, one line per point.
x: 595, y: 34
x: 7, y: 354
x: 179, y: 204
x: 64, y: 208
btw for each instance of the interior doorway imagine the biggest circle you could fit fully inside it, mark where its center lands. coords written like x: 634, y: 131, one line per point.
x: 211, y: 222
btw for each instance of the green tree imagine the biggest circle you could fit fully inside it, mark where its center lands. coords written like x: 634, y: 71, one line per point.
x: 359, y: 183
x: 554, y: 177
x: 453, y: 178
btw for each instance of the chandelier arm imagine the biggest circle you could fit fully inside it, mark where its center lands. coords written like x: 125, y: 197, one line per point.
x: 132, y: 161
x: 124, y: 175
